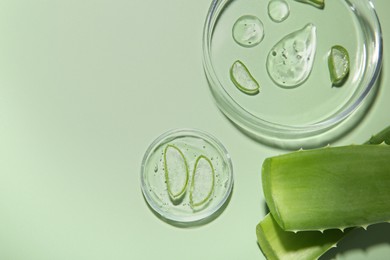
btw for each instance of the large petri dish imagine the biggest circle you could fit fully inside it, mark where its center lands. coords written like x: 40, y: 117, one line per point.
x: 314, y: 112
x: 192, y: 143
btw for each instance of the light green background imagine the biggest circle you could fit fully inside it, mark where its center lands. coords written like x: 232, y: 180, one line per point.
x: 85, y: 87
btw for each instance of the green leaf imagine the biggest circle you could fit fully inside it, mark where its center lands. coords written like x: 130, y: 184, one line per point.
x: 277, y: 244
x: 317, y: 3
x: 335, y: 187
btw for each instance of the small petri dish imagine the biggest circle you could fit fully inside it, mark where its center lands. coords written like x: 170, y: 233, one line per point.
x: 192, y: 144
x: 312, y: 112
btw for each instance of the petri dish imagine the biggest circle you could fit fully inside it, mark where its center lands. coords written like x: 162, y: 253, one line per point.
x: 309, y: 114
x: 193, y: 144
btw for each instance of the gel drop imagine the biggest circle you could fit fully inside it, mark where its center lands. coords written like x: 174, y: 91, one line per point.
x: 278, y: 10
x: 248, y: 31
x: 290, y: 61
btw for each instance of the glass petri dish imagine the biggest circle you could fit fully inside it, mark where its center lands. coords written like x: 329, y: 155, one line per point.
x: 192, y: 144
x: 314, y: 112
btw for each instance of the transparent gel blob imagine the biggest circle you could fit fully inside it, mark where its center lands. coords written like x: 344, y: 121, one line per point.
x: 278, y: 10
x: 248, y: 31
x: 290, y: 61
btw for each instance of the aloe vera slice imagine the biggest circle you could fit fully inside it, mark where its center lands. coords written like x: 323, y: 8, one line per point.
x: 276, y: 243
x: 338, y: 63
x: 176, y: 171
x: 334, y: 187
x: 202, y: 184
x: 243, y: 79
x: 317, y: 3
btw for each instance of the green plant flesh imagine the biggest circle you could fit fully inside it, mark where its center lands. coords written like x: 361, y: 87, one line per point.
x: 329, y: 188
x: 279, y: 244
x: 381, y: 137
x: 243, y: 79
x: 176, y: 172
x: 202, y: 184
x: 317, y: 3
x: 338, y: 64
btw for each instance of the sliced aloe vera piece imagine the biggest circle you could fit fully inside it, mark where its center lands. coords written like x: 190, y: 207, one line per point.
x: 243, y: 79
x: 334, y: 187
x: 338, y: 63
x: 176, y: 171
x: 317, y: 3
x: 276, y: 243
x: 202, y: 185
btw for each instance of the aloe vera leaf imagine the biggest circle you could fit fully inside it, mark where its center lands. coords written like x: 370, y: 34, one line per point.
x: 317, y: 3
x: 334, y: 187
x: 381, y: 137
x: 276, y: 243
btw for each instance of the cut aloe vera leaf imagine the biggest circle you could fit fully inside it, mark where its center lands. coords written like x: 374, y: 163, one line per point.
x: 317, y: 3
x: 243, y: 79
x: 276, y: 243
x: 338, y: 64
x: 202, y: 185
x: 382, y: 137
x: 176, y: 171
x: 334, y: 187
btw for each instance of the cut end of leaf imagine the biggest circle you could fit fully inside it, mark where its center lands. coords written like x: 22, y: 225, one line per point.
x: 275, y: 243
x: 265, y: 227
x: 243, y: 79
x: 268, y: 190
